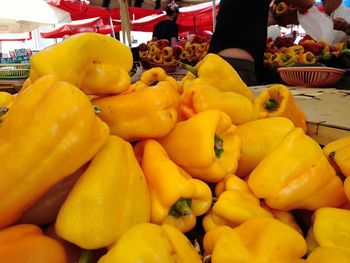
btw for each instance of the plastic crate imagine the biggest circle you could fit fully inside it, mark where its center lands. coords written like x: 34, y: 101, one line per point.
x: 14, y: 71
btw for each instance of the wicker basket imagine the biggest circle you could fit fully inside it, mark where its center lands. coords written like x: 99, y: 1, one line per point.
x: 313, y: 77
x: 14, y: 71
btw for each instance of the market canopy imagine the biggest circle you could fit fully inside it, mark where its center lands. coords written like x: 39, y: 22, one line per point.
x: 19, y: 16
x: 190, y: 19
x: 77, y: 26
x: 80, y: 10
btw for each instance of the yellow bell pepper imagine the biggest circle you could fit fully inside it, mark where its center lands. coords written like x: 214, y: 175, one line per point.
x: 154, y: 75
x: 206, y: 145
x: 6, y: 101
x: 277, y: 100
x: 109, y: 197
x: 186, y: 81
x: 231, y: 182
x: 297, y: 49
x: 50, y: 131
x: 234, y: 183
x: 151, y: 243
x: 328, y: 254
x: 219, y: 73
x: 199, y: 97
x: 95, y: 63
x: 347, y: 187
x: 259, y: 138
x: 148, y: 113
x: 26, y: 243
x: 338, y: 154
x: 258, y: 240
x: 287, y: 59
x: 137, y: 86
x: 233, y: 208
x: 297, y: 175
x: 331, y: 227
x: 176, y: 198
x: 284, y: 216
x: 307, y: 58
x: 236, y: 206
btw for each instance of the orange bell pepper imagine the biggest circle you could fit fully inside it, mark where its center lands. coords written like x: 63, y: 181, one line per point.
x: 26, y: 243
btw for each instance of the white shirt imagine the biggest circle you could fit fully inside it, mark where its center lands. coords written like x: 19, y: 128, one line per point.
x: 320, y: 26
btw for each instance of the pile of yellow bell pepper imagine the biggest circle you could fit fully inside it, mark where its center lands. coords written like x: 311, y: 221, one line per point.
x: 165, y: 170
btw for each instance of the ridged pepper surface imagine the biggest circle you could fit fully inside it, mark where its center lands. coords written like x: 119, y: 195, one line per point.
x: 235, y: 204
x: 200, y: 97
x: 50, y: 131
x: 259, y: 138
x: 95, y: 63
x: 26, y: 243
x: 258, y: 240
x: 176, y: 197
x: 218, y: 72
x: 206, y: 145
x: 151, y: 243
x: 297, y: 175
x: 148, y: 113
x: 109, y: 197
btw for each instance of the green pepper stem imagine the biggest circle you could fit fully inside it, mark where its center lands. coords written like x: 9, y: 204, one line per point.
x: 271, y: 105
x: 182, y: 207
x: 86, y: 256
x: 190, y: 68
x: 218, y: 146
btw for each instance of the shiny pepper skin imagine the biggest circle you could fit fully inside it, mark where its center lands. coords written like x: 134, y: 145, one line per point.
x: 50, y: 131
x: 151, y: 243
x: 204, y: 96
x: 297, y: 175
x: 218, y: 72
x: 277, y: 100
x: 176, y: 198
x: 206, y: 145
x: 259, y: 138
x: 150, y: 112
x: 109, y: 197
x: 95, y: 63
x: 258, y: 240
x: 26, y: 243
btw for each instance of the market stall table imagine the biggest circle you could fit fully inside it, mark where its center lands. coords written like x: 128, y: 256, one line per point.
x: 327, y: 111
x: 11, y: 85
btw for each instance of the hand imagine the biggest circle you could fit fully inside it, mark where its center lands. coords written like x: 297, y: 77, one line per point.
x: 340, y: 24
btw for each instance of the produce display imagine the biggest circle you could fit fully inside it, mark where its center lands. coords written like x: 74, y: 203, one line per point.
x: 161, y: 53
x: 98, y: 169
x: 282, y: 52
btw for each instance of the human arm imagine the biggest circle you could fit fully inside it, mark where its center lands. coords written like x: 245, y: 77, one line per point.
x: 341, y: 24
x: 319, y: 26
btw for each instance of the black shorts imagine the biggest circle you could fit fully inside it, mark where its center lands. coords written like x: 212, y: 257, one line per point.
x: 244, y: 68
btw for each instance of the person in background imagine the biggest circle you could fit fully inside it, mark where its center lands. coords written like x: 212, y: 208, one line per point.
x: 168, y: 28
x: 240, y: 35
x: 331, y: 26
